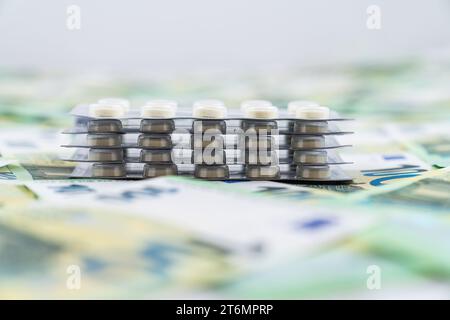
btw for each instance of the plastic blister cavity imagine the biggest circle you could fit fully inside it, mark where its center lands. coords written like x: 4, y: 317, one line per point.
x: 113, y: 140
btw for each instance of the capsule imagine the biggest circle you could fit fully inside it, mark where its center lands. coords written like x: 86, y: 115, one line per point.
x: 313, y: 172
x: 211, y: 172
x: 262, y: 172
x: 104, y: 140
x: 155, y: 141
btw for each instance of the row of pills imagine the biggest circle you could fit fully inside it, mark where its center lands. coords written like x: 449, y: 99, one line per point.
x: 211, y: 172
x: 171, y: 156
x: 165, y: 141
x: 169, y: 126
x: 208, y: 109
x: 117, y: 141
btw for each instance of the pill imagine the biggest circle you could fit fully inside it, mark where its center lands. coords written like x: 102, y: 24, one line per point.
x: 105, y: 155
x: 156, y: 156
x: 310, y: 157
x: 159, y: 109
x: 213, y: 109
x: 104, y: 126
x: 294, y: 105
x: 214, y: 157
x: 201, y: 141
x: 313, y: 172
x: 254, y: 103
x: 310, y: 127
x: 307, y: 142
x: 211, y: 172
x: 104, y: 140
x: 157, y: 170
x: 261, y: 112
x: 160, y: 141
x: 263, y: 142
x: 108, y: 170
x: 261, y: 158
x: 209, y: 126
x: 262, y: 172
x: 106, y: 110
x: 312, y: 113
x: 157, y: 126
x: 116, y: 101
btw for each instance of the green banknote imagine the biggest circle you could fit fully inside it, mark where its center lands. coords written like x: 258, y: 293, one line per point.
x: 13, y: 196
x: 428, y: 140
x: 44, y: 249
x: 37, y: 167
x: 53, y: 228
x: 414, y: 239
x: 430, y: 192
x: 343, y: 273
x: 407, y: 91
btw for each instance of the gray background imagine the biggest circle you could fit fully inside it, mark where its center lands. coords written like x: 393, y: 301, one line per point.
x: 137, y: 36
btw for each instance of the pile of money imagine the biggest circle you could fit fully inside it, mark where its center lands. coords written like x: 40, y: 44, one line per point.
x: 386, y: 235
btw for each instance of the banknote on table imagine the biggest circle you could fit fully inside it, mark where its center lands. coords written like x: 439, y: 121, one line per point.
x: 369, y: 170
x: 403, y: 255
x: 342, y: 273
x: 430, y: 191
x: 430, y: 141
x: 380, y: 169
x: 35, y: 167
x: 83, y: 252
x: 417, y: 241
x: 284, y: 191
x: 214, y: 210
x: 32, y: 153
x: 14, y: 196
x: 174, y: 237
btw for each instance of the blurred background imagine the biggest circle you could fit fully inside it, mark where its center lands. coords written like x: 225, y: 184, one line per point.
x: 384, y: 63
x: 166, y: 37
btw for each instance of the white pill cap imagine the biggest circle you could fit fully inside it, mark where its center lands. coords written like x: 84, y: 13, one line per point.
x: 294, y: 105
x: 214, y: 109
x: 159, y: 109
x: 261, y: 112
x: 313, y: 113
x: 254, y: 103
x: 115, y: 101
x: 98, y: 110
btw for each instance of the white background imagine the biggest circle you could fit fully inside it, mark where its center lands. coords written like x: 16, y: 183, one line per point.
x: 182, y: 35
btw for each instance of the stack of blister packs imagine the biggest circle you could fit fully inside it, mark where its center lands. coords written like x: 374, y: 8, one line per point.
x: 112, y: 140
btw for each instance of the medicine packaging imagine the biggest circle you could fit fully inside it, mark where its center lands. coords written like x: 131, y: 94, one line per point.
x: 258, y: 141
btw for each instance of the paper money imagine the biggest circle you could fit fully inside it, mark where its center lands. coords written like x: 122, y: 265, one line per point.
x: 430, y: 141
x: 235, y: 240
x: 339, y: 273
x: 215, y: 210
x: 416, y: 241
x: 38, y: 167
x: 375, y: 170
x: 429, y: 191
x: 115, y: 255
x: 13, y: 196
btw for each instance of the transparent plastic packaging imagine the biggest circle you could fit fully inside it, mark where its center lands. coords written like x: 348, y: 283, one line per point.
x: 112, y: 140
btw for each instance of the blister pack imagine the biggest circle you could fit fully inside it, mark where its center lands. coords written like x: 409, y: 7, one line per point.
x: 257, y: 142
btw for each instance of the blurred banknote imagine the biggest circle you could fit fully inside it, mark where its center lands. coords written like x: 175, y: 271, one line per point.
x: 338, y: 273
x: 430, y: 191
x: 44, y: 249
x: 169, y: 236
x: 214, y: 210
